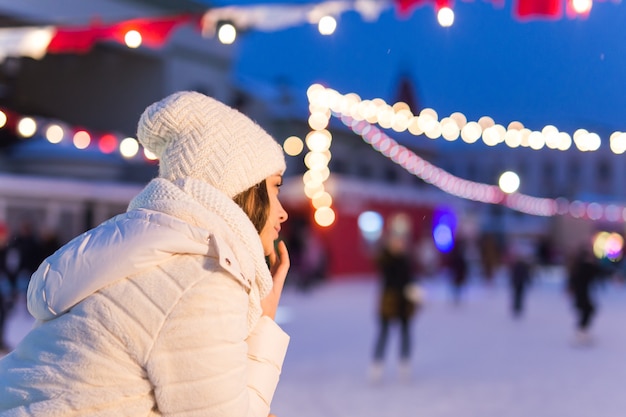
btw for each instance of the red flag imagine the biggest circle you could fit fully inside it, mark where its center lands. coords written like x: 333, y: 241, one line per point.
x: 527, y: 9
x: 72, y: 40
x: 154, y: 32
x: 405, y: 7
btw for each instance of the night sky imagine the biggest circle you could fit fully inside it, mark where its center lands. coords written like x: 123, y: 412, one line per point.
x: 570, y: 72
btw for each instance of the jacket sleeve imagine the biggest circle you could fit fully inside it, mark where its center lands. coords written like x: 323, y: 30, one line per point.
x: 204, y: 363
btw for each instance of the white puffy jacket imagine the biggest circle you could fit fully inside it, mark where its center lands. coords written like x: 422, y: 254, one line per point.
x: 146, y: 315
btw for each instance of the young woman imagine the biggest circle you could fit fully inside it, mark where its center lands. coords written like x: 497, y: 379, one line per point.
x: 168, y: 308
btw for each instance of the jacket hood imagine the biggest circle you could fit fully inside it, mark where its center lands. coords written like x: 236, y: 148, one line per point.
x: 120, y: 247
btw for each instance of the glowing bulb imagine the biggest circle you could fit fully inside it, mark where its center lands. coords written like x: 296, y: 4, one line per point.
x: 227, y: 33
x: 322, y: 200
x: 582, y: 6
x: 445, y: 17
x: 107, y: 143
x: 81, y: 139
x: 509, y: 182
x: 3, y: 119
x: 293, y: 146
x: 324, y: 216
x: 133, y: 39
x: 27, y: 127
x: 54, y: 134
x: 327, y: 25
x: 129, y: 147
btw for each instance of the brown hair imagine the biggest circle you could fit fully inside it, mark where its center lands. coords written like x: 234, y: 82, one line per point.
x: 255, y: 202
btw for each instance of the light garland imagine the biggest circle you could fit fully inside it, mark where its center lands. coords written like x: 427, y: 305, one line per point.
x: 57, y: 132
x: 325, y: 103
x: 36, y: 42
x: 428, y: 123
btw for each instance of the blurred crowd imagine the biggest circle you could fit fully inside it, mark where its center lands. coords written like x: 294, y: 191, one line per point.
x: 518, y: 263
x: 22, y: 249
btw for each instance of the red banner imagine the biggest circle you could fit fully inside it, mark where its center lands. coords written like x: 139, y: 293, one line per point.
x: 528, y: 9
x: 154, y: 32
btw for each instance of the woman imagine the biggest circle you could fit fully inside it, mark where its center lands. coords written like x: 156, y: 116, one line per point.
x: 168, y: 308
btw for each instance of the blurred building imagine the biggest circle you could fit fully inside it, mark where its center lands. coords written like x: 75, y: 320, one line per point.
x: 57, y: 186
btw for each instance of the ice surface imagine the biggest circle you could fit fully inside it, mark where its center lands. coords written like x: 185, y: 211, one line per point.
x: 470, y: 360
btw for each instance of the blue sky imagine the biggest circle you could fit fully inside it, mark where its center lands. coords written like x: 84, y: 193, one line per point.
x: 571, y: 73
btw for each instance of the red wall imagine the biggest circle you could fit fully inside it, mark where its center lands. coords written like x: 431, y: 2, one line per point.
x: 349, y: 255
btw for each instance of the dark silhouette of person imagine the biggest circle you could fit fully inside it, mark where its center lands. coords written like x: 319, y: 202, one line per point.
x: 520, y: 279
x: 4, y: 286
x: 395, y: 303
x: 23, y: 256
x: 459, y: 268
x: 584, y: 273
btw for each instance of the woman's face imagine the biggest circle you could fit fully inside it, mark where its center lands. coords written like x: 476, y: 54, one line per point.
x: 277, y: 214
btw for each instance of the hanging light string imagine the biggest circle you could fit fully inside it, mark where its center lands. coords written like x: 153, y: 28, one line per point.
x: 60, y: 133
x: 361, y: 115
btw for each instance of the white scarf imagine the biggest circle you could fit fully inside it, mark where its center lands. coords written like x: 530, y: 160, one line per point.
x: 202, y: 205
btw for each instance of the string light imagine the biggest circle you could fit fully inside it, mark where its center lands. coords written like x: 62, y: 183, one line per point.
x: 81, y: 139
x: 360, y: 116
x: 133, y: 39
x: 107, y: 143
x: 445, y: 17
x: 327, y: 25
x: 55, y: 132
x: 129, y: 147
x: 26, y: 127
x: 428, y: 123
x: 226, y: 33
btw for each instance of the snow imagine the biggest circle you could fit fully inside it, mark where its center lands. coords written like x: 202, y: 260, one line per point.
x: 469, y: 360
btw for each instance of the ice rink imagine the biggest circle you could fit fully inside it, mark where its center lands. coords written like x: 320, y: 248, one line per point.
x: 470, y: 360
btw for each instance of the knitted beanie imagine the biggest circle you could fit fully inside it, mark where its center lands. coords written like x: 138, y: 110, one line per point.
x: 195, y: 136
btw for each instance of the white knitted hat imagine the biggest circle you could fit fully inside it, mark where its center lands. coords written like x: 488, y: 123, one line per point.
x: 197, y: 136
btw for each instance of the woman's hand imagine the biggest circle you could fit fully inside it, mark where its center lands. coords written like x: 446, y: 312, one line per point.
x: 279, y: 266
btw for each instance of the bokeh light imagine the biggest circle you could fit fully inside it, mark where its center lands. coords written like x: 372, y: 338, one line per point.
x: 54, y: 133
x: 324, y: 216
x: 371, y: 225
x: 133, y: 39
x: 509, y: 182
x: 81, y: 139
x: 26, y: 127
x: 327, y: 25
x: 293, y: 146
x: 129, y: 147
x: 227, y: 33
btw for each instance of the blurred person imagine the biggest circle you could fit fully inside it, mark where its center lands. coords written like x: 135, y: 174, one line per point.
x: 459, y: 268
x: 23, y: 255
x: 49, y: 243
x: 520, y: 280
x: 583, y: 274
x: 427, y: 257
x: 167, y: 309
x: 489, y: 256
x: 397, y: 302
x: 313, y: 261
x: 5, y: 287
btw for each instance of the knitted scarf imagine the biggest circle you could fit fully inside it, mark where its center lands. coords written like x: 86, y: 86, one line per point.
x: 202, y: 205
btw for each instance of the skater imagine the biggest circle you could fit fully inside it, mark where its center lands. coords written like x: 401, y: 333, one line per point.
x: 5, y: 288
x: 168, y: 308
x: 459, y: 269
x: 396, y: 303
x: 520, y: 279
x: 584, y: 273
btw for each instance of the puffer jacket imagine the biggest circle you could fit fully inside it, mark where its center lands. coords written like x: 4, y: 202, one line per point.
x: 148, y: 314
